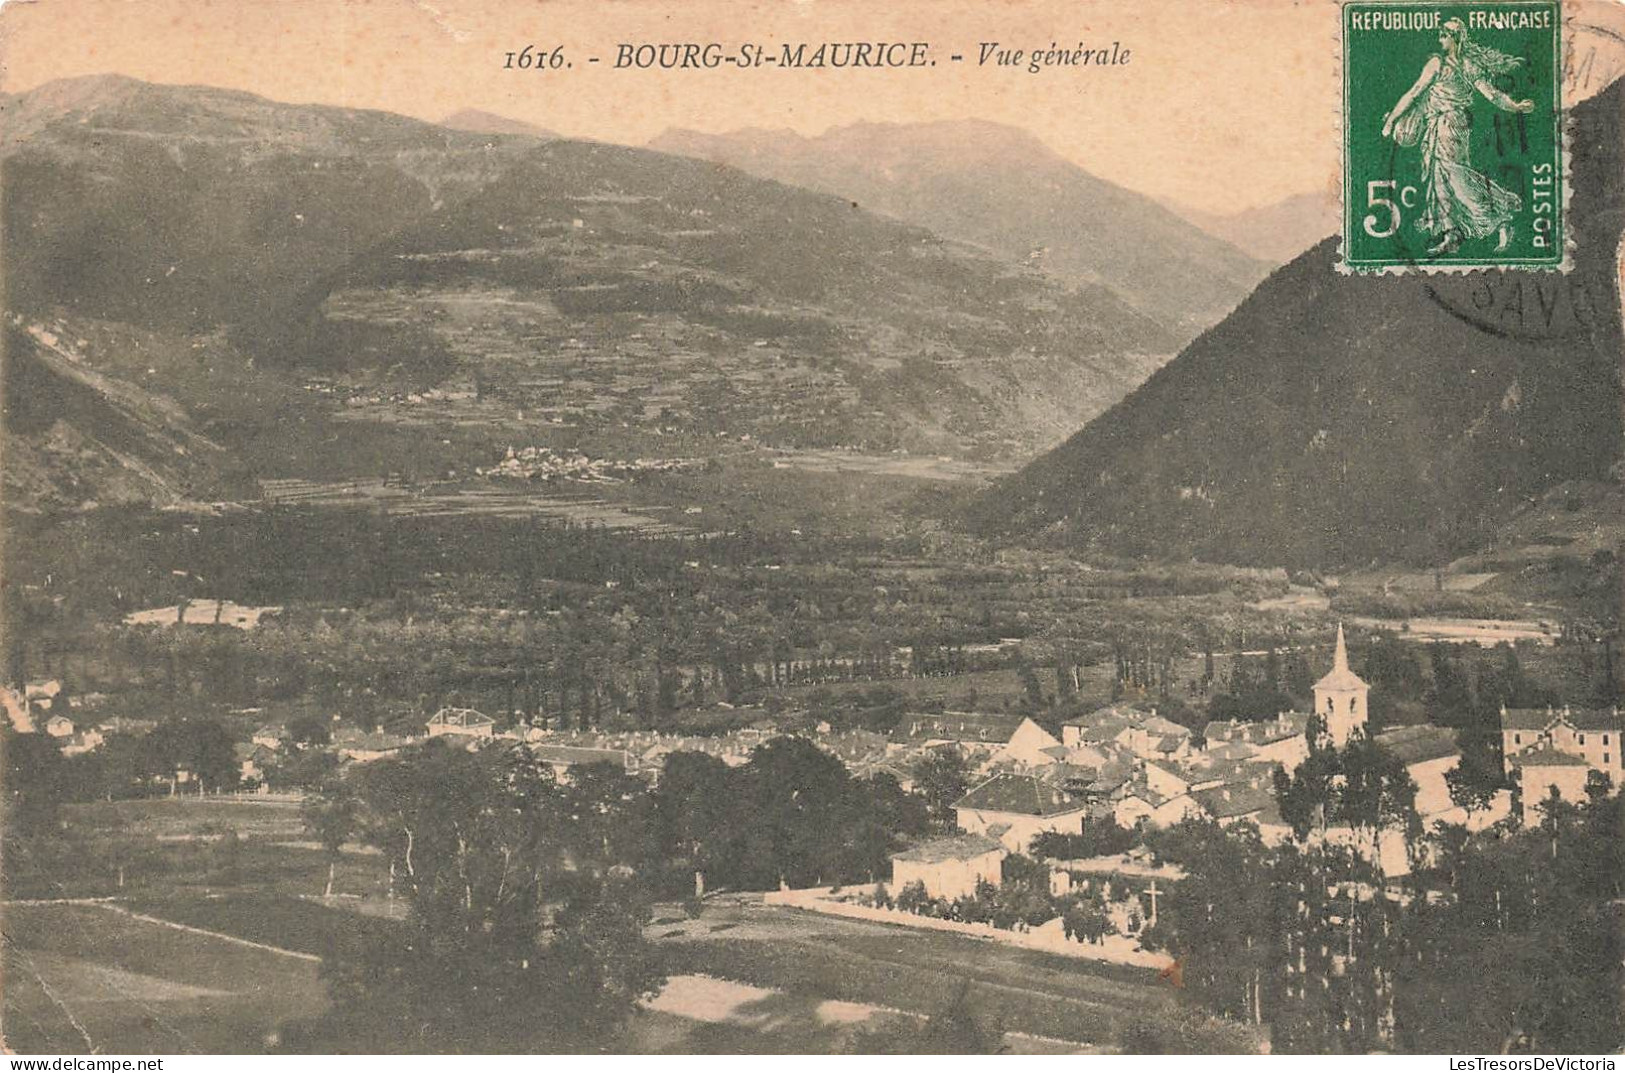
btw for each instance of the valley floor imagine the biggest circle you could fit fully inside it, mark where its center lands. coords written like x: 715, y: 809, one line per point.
x: 191, y: 962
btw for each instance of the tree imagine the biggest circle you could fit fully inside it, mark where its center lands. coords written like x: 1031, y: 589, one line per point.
x: 1599, y: 785
x: 692, y: 806
x: 199, y: 746
x: 1032, y: 690
x: 331, y: 815
x: 1308, y: 796
x: 310, y: 769
x: 796, y: 796
x: 611, y: 818
x: 1086, y: 920
x: 1534, y: 926
x: 310, y: 729
x: 1476, y: 778
x: 912, y: 898
x: 942, y: 779
x: 1376, y: 793
x: 509, y: 913
x: 1218, y: 922
x: 879, y: 816
x: 1102, y: 837
x: 35, y: 784
x: 1186, y: 1032
x: 598, y: 941
x: 1449, y: 700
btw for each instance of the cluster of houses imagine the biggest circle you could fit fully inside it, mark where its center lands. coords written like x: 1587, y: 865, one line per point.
x: 637, y: 752
x: 1138, y: 769
x: 1123, y: 762
x: 43, y: 707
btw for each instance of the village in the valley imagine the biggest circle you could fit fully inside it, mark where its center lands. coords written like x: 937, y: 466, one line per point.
x: 1044, y: 839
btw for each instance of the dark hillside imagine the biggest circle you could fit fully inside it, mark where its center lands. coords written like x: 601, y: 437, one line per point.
x: 1333, y: 420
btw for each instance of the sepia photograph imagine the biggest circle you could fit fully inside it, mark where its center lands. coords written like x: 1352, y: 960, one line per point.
x: 812, y: 527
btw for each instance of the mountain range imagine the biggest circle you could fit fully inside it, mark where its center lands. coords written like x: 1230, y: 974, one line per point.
x: 1004, y: 190
x: 482, y: 122
x: 1274, y: 233
x: 314, y: 289
x: 1336, y: 419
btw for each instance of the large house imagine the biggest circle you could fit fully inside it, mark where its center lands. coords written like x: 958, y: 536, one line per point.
x: 271, y: 735
x: 1237, y: 802
x: 1138, y: 801
x: 1014, y: 808
x: 950, y: 867
x: 377, y: 745
x: 83, y: 741
x: 42, y: 695
x: 1549, y: 747
x: 253, y: 760
x: 1592, y: 734
x: 464, y: 722
x: 18, y: 713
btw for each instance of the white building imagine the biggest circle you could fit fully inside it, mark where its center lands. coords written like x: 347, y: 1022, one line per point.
x: 1541, y: 770
x: 1590, y: 734
x: 1015, y: 808
x: 949, y: 867
x: 1429, y: 753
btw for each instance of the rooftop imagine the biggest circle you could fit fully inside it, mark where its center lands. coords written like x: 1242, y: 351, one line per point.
x: 1578, y: 718
x: 1419, y: 744
x: 377, y: 742
x: 1232, y: 750
x: 1120, y: 714
x: 950, y: 848
x: 1546, y: 756
x: 990, y: 727
x: 572, y: 754
x: 461, y: 717
x: 1021, y: 795
x: 1230, y: 801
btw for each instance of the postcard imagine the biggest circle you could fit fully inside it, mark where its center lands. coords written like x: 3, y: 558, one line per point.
x: 812, y: 527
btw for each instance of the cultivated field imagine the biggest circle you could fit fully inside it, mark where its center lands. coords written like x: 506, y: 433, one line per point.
x: 1020, y: 992
x: 95, y: 978
x: 212, y: 949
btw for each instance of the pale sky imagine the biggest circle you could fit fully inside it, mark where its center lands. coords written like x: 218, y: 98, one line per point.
x: 1223, y: 105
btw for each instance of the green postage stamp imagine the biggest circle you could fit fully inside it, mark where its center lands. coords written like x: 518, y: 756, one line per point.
x: 1453, y: 155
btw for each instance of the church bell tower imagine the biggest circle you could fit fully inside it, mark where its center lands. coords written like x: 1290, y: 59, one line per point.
x: 1340, y: 697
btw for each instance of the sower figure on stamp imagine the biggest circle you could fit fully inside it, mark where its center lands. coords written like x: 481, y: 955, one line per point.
x: 1461, y: 202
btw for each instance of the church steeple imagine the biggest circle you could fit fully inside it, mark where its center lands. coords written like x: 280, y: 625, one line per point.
x: 1340, y: 697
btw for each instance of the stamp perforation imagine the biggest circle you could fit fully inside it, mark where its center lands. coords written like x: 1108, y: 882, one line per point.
x: 1351, y: 260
